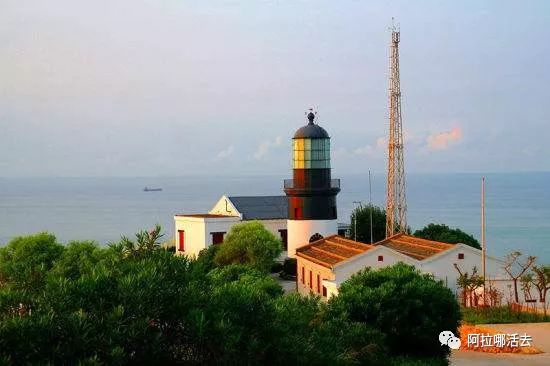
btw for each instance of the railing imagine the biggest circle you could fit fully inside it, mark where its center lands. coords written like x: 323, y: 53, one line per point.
x: 289, y: 183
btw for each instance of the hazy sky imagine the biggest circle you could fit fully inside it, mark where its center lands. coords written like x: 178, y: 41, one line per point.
x: 172, y: 87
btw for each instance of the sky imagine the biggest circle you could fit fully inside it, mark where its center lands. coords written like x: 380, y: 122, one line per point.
x: 174, y: 88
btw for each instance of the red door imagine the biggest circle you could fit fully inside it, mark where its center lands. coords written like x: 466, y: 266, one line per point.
x: 181, y: 240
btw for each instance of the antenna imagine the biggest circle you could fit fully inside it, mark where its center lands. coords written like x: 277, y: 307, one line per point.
x: 396, y: 202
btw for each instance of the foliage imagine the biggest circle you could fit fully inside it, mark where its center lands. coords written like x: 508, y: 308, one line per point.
x: 499, y: 315
x: 146, y: 241
x: 445, y: 234
x: 205, y: 260
x: 25, y: 261
x: 541, y: 280
x: 244, y: 274
x: 134, y: 303
x: 469, y: 283
x: 515, y: 269
x: 79, y: 258
x: 412, y: 323
x: 362, y: 215
x: 249, y: 243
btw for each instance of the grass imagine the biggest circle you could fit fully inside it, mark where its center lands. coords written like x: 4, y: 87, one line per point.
x: 500, y: 315
x: 414, y: 361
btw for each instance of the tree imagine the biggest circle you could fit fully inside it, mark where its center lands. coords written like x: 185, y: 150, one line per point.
x: 469, y: 283
x: 515, y: 269
x: 249, y: 243
x: 146, y: 242
x: 78, y: 258
x: 408, y: 307
x: 445, y: 234
x: 362, y: 214
x: 25, y: 261
x: 541, y: 281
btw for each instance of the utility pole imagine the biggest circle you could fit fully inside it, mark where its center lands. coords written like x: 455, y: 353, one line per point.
x: 483, y: 244
x: 396, y: 202
x: 370, y: 207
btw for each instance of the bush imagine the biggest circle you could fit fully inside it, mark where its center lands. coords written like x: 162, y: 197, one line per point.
x: 500, y: 315
x: 410, y: 308
x: 249, y: 243
x: 25, y: 261
x: 445, y: 234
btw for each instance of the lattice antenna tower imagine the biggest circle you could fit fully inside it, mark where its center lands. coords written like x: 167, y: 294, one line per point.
x: 396, y: 201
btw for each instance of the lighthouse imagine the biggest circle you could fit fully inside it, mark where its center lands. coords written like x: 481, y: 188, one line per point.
x: 312, y: 192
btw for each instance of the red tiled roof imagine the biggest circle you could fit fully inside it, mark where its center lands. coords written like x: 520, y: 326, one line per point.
x: 204, y: 216
x: 331, y: 250
x: 416, y: 248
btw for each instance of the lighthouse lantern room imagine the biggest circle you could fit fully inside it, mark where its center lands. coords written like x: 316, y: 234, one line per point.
x: 312, y: 192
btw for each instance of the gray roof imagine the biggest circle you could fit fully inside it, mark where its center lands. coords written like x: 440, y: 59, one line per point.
x: 261, y: 207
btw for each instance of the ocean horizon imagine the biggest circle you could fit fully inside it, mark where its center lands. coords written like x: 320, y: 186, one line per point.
x: 104, y: 209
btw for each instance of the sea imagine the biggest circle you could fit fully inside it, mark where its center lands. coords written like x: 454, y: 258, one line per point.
x: 104, y: 209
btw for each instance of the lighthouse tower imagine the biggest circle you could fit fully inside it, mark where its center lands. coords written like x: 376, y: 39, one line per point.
x: 311, y: 193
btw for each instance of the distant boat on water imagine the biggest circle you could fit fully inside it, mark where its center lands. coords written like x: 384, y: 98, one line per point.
x: 147, y: 189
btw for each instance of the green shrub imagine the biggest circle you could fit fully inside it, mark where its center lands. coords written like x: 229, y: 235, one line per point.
x: 409, y: 307
x: 445, y: 234
x: 500, y: 315
x: 249, y: 243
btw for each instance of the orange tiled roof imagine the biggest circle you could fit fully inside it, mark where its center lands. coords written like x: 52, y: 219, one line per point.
x: 331, y: 250
x: 416, y: 248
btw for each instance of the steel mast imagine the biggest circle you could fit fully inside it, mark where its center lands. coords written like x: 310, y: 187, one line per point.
x: 396, y: 201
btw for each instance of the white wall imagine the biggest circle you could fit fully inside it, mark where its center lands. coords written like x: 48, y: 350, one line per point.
x: 348, y: 268
x: 299, y: 232
x: 194, y: 235
x: 197, y: 232
x: 442, y: 265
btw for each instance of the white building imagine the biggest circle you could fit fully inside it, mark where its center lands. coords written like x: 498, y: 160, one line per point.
x: 195, y: 232
x: 323, y: 265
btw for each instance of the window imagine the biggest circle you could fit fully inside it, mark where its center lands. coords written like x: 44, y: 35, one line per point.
x: 311, y: 280
x: 318, y: 284
x: 315, y: 237
x: 284, y: 238
x: 181, y: 240
x: 380, y: 258
x: 217, y: 238
x: 303, y: 275
x: 324, y: 291
x: 460, y: 255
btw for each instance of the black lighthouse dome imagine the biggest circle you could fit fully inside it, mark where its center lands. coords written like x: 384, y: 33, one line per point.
x: 311, y: 130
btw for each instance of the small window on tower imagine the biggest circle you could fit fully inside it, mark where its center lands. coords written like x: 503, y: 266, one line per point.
x: 297, y: 212
x: 460, y: 255
x: 380, y: 258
